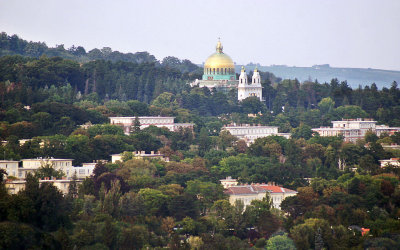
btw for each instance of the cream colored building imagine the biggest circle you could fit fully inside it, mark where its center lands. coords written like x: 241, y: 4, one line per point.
x: 251, y: 133
x: 11, y: 167
x: 140, y: 155
x: 38, y: 162
x: 14, y: 187
x: 248, y: 193
x: 145, y: 121
x: 395, y: 162
x: 355, y: 129
x: 228, y: 182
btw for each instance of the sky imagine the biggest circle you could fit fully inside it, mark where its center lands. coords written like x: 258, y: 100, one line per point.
x: 342, y: 33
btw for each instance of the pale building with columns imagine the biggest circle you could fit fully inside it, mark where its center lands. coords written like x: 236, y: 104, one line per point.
x: 251, y: 133
x: 127, y: 122
x: 355, y: 129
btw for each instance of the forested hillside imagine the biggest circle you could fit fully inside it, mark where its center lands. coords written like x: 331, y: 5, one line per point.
x: 136, y: 204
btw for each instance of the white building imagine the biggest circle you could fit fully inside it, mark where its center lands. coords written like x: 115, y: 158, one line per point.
x: 248, y: 90
x: 395, y: 162
x: 38, y: 162
x: 248, y: 193
x: 228, y: 182
x: 140, y: 155
x: 13, y: 187
x: 354, y: 129
x: 86, y: 170
x: 30, y: 165
x: 145, y: 121
x: 251, y: 133
x: 11, y: 167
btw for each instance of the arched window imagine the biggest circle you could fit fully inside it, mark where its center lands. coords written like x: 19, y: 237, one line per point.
x: 217, y: 70
x: 214, y: 71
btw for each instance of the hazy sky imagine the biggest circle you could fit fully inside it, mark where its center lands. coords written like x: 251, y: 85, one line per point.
x: 343, y: 33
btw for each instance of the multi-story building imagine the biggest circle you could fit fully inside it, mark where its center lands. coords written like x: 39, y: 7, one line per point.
x: 395, y: 162
x: 15, y: 186
x: 355, y: 129
x: 228, y: 182
x: 127, y: 123
x: 248, y: 193
x: 38, y: 162
x: 140, y: 155
x: 11, y: 167
x: 251, y: 133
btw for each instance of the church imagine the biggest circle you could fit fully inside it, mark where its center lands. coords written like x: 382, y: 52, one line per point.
x: 219, y: 73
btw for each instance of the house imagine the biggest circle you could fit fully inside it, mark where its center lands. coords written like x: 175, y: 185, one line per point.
x: 248, y: 193
x: 140, y: 155
x: 392, y: 162
x: 228, y: 182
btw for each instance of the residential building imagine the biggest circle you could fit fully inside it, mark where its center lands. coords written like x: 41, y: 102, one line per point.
x: 140, y: 155
x: 127, y: 123
x: 15, y: 186
x: 228, y: 182
x: 251, y: 133
x: 395, y: 162
x: 355, y: 129
x: 11, y: 167
x: 248, y: 193
x: 38, y: 162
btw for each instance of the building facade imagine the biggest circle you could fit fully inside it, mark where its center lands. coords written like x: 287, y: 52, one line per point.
x: 250, y: 133
x: 395, y: 162
x: 219, y: 73
x: 11, y: 167
x: 13, y: 187
x: 252, y: 89
x: 355, y: 129
x: 248, y: 193
x: 145, y: 121
x: 140, y: 155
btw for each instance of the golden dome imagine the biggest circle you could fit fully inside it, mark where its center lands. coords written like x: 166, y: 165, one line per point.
x: 219, y: 59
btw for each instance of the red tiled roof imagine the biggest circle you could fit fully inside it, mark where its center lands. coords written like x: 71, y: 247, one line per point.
x: 254, y: 189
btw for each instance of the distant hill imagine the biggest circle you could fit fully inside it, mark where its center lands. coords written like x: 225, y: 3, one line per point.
x: 325, y: 73
x: 14, y: 45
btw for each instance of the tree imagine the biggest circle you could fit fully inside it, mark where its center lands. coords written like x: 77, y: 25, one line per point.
x: 280, y: 242
x: 47, y: 170
x: 303, y: 131
x: 326, y: 105
x: 73, y: 188
x: 252, y: 105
